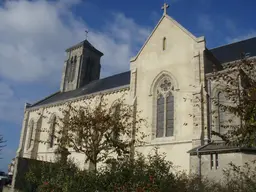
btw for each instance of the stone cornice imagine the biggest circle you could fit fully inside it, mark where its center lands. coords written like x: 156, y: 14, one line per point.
x: 76, y: 99
x: 166, y: 142
x: 227, y: 70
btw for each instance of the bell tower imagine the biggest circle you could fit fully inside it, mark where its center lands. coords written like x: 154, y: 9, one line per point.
x: 82, y: 66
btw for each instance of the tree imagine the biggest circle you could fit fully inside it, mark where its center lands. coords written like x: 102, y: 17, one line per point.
x: 98, y: 129
x: 238, y: 85
x: 2, y: 141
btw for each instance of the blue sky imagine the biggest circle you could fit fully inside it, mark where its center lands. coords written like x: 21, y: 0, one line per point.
x: 34, y: 35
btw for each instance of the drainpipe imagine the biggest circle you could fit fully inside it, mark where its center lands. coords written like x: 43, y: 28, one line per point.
x: 239, y: 95
x: 209, y: 102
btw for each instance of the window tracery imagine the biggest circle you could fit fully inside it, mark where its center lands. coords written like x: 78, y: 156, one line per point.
x: 165, y: 108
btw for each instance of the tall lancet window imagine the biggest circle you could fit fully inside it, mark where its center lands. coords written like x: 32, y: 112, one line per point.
x: 164, y: 43
x: 88, y: 68
x: 73, y: 68
x: 164, y: 108
x: 69, y: 69
x: 30, y: 133
x: 221, y: 112
x: 117, y: 114
x: 52, y: 131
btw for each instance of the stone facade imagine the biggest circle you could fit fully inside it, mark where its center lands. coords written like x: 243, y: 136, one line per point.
x: 170, y: 51
x: 212, y: 165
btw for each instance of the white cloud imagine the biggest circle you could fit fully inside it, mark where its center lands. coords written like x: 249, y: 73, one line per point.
x: 237, y: 33
x: 118, y: 41
x: 230, y: 25
x: 205, y: 23
x: 5, y: 91
x: 34, y: 36
x: 10, y: 105
x: 248, y: 35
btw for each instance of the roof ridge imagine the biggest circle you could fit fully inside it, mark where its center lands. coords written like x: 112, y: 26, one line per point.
x: 113, y: 75
x: 84, y: 43
x: 39, y: 101
x: 232, y: 43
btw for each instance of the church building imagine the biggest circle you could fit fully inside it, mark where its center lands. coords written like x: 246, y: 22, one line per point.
x: 172, y: 65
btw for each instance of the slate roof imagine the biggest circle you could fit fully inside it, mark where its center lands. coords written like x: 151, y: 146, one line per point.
x: 223, y: 54
x: 220, y: 148
x: 111, y: 82
x: 232, y: 52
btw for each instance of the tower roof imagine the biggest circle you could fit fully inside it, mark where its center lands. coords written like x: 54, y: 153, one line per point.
x: 86, y: 44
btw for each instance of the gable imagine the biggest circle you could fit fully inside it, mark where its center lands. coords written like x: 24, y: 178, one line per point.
x: 166, y: 24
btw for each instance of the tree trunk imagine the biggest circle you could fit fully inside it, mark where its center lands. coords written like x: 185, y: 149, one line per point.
x: 92, y: 167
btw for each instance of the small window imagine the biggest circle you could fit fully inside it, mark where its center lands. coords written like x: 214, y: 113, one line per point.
x: 216, y: 161
x: 164, y: 43
x: 211, y: 161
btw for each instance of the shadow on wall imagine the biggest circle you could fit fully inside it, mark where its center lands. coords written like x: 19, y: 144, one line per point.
x: 23, y: 166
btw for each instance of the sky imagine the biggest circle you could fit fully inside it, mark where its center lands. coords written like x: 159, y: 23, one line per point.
x: 35, y: 34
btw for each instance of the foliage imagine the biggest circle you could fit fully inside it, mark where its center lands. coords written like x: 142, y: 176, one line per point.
x: 237, y: 82
x: 98, y: 129
x: 2, y: 141
x: 241, y: 178
x: 59, y: 176
x: 143, y: 174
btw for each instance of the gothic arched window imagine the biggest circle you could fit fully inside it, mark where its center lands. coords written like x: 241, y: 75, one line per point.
x: 52, y: 131
x: 221, y: 112
x: 164, y: 108
x: 30, y: 133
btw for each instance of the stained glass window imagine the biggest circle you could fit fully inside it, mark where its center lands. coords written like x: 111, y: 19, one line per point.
x: 164, y: 108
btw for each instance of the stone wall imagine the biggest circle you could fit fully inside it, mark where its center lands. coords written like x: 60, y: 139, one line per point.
x: 214, y: 172
x: 23, y: 166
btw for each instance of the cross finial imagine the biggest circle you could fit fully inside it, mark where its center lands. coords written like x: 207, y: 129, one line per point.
x: 165, y: 7
x: 86, y: 32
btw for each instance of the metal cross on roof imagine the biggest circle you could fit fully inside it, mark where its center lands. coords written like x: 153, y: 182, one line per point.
x: 86, y: 36
x: 165, y: 7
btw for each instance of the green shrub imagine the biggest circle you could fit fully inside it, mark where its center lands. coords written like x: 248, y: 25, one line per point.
x: 143, y: 174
